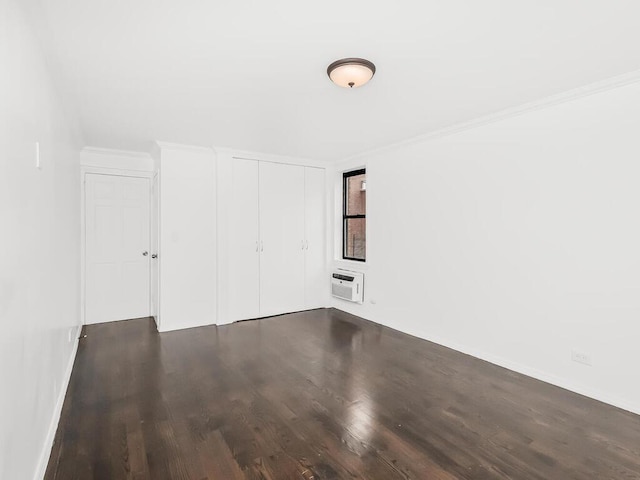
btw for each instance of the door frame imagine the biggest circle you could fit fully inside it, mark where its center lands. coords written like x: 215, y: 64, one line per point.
x: 114, y: 172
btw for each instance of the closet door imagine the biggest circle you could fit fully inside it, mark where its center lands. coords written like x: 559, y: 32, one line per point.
x: 282, y: 240
x: 244, y: 262
x: 316, y: 281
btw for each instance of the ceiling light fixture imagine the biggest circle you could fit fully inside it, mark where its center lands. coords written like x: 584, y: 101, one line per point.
x: 351, y: 72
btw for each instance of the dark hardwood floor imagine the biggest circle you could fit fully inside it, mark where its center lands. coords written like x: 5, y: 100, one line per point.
x: 321, y: 395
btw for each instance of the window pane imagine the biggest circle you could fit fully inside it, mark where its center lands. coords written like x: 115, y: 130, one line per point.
x: 357, y: 195
x: 355, y: 236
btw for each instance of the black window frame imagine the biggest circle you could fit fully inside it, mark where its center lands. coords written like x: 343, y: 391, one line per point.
x: 345, y: 217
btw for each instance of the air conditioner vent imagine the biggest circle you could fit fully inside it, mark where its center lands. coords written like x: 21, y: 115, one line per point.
x: 347, y: 285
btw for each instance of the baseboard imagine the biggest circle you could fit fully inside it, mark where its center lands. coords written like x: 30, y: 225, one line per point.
x: 185, y: 326
x: 523, y: 369
x: 53, y: 426
x: 559, y: 382
x: 226, y: 321
x: 537, y: 374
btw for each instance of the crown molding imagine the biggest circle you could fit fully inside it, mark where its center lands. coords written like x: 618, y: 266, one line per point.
x: 111, y: 160
x: 546, y: 102
x: 115, y: 152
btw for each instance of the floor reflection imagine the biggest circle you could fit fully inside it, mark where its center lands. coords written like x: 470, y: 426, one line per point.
x: 358, y: 417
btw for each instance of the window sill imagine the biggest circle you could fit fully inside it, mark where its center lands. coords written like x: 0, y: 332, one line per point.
x: 350, y: 264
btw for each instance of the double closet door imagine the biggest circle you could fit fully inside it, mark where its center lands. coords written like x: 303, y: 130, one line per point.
x: 276, y: 244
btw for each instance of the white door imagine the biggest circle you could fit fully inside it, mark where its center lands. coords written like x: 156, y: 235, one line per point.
x: 281, y: 238
x: 117, y: 248
x: 244, y: 262
x: 316, y: 281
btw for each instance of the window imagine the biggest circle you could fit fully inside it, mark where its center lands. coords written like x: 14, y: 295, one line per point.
x: 354, y: 189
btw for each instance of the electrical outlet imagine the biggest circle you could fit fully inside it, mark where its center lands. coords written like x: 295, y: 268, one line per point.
x: 581, y: 357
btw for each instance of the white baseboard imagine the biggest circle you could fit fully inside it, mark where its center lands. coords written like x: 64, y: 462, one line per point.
x: 537, y: 374
x: 226, y: 321
x: 55, y: 418
x: 185, y: 326
x: 567, y: 384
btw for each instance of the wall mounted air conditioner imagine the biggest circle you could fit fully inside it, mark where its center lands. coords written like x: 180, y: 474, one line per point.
x: 348, y: 285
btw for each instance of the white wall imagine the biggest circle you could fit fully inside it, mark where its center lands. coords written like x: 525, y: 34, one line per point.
x: 515, y: 241
x: 187, y: 254
x: 39, y: 245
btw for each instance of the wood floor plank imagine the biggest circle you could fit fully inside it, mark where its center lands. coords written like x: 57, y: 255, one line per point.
x: 321, y: 395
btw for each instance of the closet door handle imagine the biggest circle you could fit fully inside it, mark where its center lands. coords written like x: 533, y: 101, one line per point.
x: 261, y: 246
x: 256, y: 245
x: 306, y: 247
x: 302, y: 244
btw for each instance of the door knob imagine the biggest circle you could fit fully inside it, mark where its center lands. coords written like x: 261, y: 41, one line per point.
x: 145, y: 253
x: 154, y: 255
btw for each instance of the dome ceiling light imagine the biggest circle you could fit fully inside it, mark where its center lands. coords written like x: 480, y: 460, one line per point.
x: 351, y: 72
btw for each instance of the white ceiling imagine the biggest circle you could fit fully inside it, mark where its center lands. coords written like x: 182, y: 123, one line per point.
x: 251, y: 74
